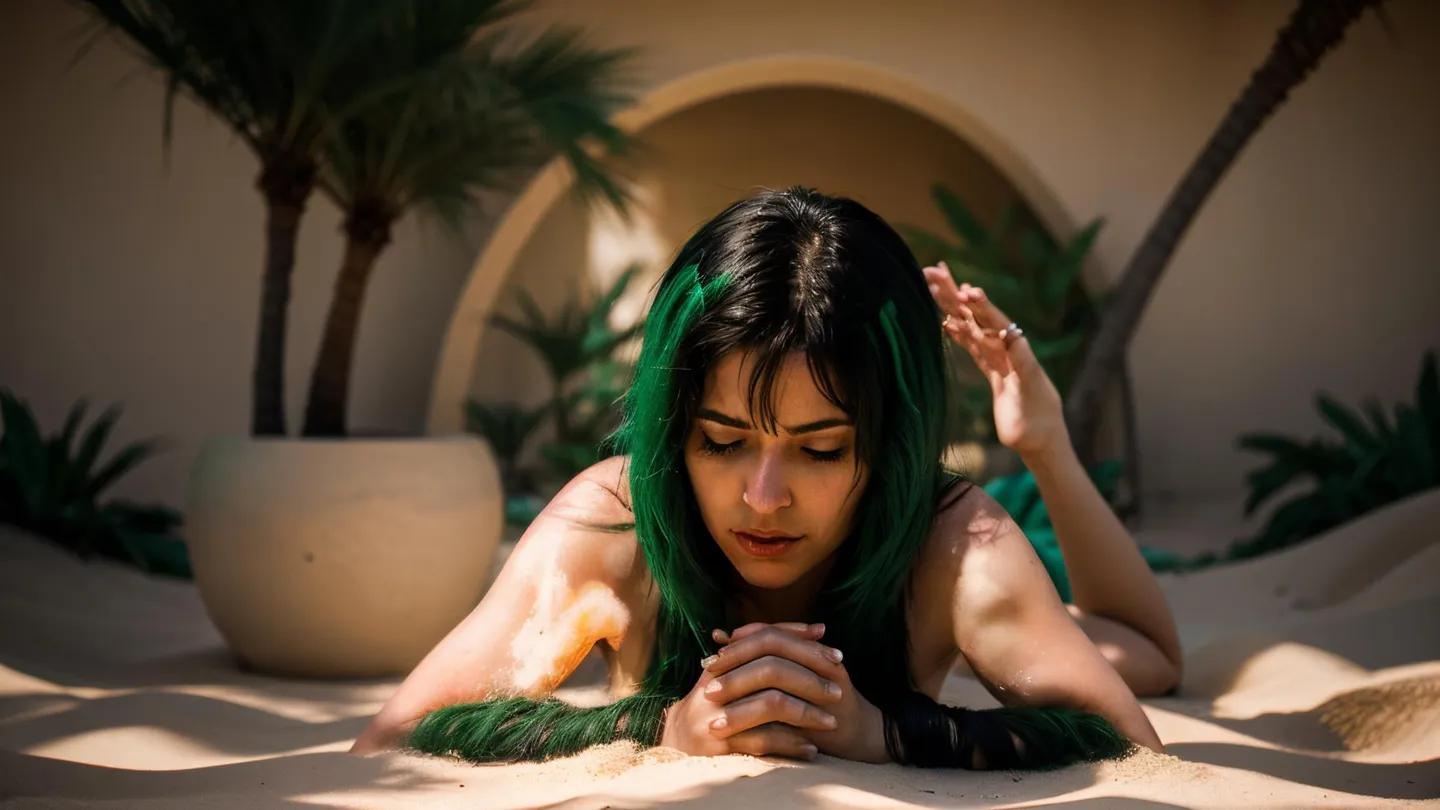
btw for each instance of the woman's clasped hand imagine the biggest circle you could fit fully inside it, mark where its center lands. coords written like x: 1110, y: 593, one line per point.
x: 776, y: 690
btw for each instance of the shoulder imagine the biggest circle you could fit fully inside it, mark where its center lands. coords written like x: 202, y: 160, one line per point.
x: 977, y: 559
x: 599, y: 495
x: 587, y: 529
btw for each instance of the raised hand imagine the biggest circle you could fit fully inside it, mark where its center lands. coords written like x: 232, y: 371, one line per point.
x: 785, y: 665
x: 1029, y: 416
x: 763, y: 721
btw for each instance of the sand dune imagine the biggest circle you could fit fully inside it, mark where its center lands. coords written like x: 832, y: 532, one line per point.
x: 1313, y: 680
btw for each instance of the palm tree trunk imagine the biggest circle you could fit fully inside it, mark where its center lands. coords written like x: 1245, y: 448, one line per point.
x: 367, y: 233
x: 1131, y: 509
x: 286, y: 188
x: 1314, y: 28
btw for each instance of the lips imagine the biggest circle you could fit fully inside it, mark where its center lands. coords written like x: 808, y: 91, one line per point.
x: 765, y: 544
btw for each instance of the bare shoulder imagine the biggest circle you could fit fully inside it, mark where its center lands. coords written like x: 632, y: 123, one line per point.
x: 976, y: 562
x: 587, y: 529
x: 968, y: 520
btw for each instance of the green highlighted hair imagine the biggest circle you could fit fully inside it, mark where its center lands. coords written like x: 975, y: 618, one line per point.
x: 774, y: 275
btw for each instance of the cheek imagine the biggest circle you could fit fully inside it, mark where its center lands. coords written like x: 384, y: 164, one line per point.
x: 709, y: 483
x: 836, y: 494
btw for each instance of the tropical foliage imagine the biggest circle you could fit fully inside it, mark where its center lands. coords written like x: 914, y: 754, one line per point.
x: 1030, y: 276
x: 578, y: 347
x: 1373, y: 460
x: 53, y: 486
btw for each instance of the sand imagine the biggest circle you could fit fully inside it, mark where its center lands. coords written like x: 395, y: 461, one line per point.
x: 1313, y: 680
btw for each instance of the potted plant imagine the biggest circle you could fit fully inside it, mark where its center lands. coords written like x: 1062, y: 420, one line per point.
x: 328, y: 554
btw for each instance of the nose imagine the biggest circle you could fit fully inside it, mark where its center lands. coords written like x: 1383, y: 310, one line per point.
x: 768, y: 491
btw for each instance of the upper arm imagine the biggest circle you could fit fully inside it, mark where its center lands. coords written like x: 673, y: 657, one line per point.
x: 1011, y: 626
x: 561, y: 591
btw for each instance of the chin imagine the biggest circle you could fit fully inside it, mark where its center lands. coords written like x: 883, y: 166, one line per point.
x: 770, y: 576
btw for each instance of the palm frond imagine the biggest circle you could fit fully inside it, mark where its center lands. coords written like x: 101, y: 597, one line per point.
x: 479, y: 112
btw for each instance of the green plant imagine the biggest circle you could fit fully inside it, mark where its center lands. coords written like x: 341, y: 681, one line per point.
x: 1369, y: 466
x: 577, y: 347
x: 52, y: 486
x: 1028, y: 275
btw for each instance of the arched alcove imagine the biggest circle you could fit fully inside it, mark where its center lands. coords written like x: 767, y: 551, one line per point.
x: 844, y: 127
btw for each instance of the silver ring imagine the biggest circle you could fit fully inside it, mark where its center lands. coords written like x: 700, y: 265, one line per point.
x: 1013, y: 330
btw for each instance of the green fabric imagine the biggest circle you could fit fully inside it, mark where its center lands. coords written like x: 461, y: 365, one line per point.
x: 1020, y: 495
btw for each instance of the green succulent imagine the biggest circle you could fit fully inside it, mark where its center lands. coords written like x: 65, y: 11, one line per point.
x: 52, y: 486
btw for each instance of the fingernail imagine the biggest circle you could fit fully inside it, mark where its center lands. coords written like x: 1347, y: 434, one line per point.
x: 718, y: 723
x: 829, y: 721
x: 809, y: 751
x: 934, y: 288
x: 817, y: 628
x: 705, y: 663
x: 831, y: 688
x: 713, y: 687
x: 834, y: 655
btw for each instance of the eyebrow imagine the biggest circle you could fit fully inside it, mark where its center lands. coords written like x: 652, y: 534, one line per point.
x: 740, y: 424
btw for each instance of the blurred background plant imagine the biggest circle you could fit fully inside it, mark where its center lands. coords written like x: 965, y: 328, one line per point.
x: 1038, y: 282
x: 578, y: 347
x: 1368, y: 466
x: 52, y: 486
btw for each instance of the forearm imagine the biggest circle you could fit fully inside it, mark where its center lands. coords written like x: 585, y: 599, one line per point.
x: 1108, y: 575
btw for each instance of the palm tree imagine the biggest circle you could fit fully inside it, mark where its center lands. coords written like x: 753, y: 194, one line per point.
x: 278, y: 73
x: 1314, y: 28
x: 490, y: 113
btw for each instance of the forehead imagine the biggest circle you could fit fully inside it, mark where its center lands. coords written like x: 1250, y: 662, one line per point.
x: 727, y: 387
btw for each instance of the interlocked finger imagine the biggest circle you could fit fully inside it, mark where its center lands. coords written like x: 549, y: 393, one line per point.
x: 775, y: 739
x: 773, y: 672
x: 770, y: 706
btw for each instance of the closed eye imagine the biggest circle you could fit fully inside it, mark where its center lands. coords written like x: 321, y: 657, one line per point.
x: 713, y: 448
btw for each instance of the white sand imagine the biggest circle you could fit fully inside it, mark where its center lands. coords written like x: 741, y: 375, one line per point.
x: 1313, y: 681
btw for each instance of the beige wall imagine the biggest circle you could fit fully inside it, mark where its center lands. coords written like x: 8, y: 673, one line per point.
x: 1312, y: 267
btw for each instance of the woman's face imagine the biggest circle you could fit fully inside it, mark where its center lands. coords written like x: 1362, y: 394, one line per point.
x: 778, y: 504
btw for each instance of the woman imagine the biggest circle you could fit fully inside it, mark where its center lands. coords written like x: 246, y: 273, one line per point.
x: 778, y: 564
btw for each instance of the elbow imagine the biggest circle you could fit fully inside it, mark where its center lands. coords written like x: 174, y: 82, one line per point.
x: 1158, y: 679
x: 381, y: 735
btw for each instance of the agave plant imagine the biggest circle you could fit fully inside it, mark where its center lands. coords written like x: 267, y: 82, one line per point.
x: 1370, y: 465
x: 52, y: 486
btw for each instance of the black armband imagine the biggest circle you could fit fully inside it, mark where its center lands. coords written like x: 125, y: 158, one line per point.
x: 926, y: 734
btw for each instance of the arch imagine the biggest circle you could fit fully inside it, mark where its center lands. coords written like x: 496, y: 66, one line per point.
x: 461, y: 344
